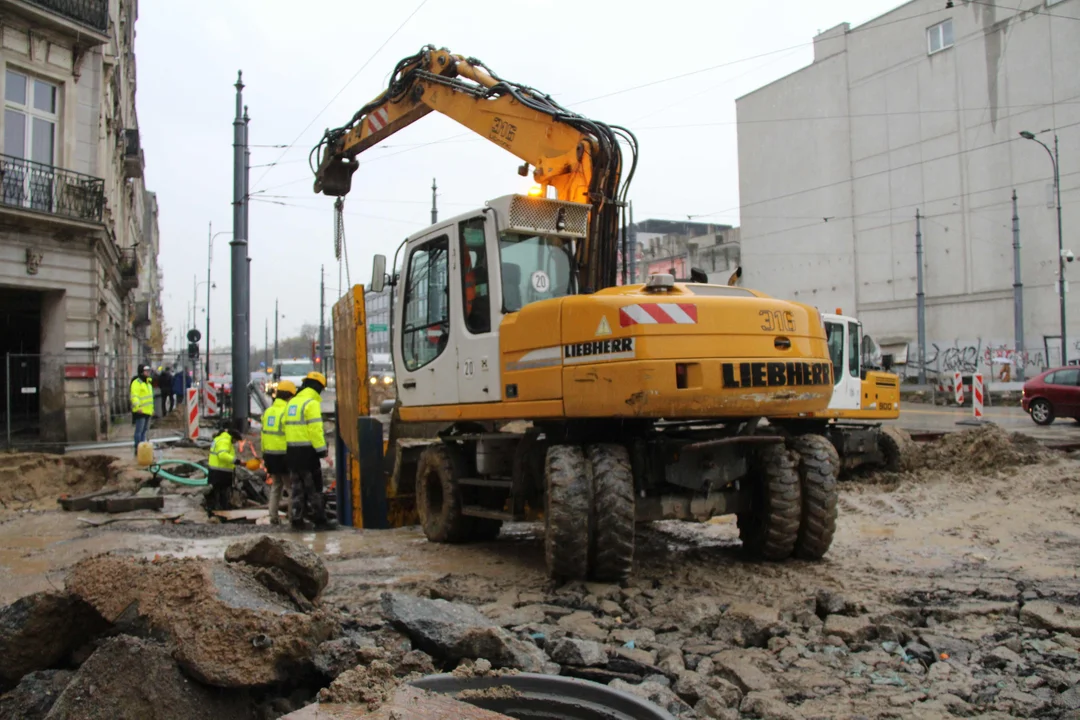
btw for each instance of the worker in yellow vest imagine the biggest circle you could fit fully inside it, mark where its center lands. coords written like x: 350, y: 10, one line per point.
x: 273, y: 445
x: 222, y: 461
x: 142, y: 404
x: 305, y: 447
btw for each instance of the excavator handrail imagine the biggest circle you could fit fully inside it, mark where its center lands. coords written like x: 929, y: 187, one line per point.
x: 580, y: 157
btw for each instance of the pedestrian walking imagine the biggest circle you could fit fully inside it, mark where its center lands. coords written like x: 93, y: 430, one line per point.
x: 223, y: 460
x: 274, y: 445
x: 142, y: 404
x: 305, y: 446
x: 168, y: 395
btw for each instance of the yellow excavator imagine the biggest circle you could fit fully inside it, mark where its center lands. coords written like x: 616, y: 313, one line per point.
x: 530, y: 383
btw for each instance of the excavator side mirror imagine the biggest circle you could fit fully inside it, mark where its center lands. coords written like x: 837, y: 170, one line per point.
x: 378, y: 273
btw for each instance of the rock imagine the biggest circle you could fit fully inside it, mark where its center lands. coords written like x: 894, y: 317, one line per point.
x: 711, y: 707
x: 277, y: 580
x: 1070, y: 699
x: 638, y: 636
x: 415, y: 661
x: 1000, y: 658
x: 691, y: 686
x: 1049, y: 615
x: 129, y: 677
x: 694, y: 614
x: 582, y: 653
x: 734, y: 667
x: 38, y: 630
x: 637, y: 610
x: 729, y: 693
x: 365, y: 687
x: 959, y: 650
x: 35, y: 694
x: 293, y: 558
x: 336, y: 656
x: 603, y: 591
x: 830, y: 603
x: 748, y: 625
x: 906, y: 699
x: 852, y: 630
x: 645, y: 658
x: 513, y: 617
x: 610, y: 607
x: 670, y: 660
x: 767, y: 707
x: 1021, y: 703
x: 920, y: 652
x: 583, y: 625
x: 226, y: 629
x: 453, y: 631
x: 939, y: 671
x: 657, y: 694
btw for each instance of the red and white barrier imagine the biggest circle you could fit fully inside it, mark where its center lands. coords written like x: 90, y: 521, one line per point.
x: 210, y: 397
x: 977, y: 397
x: 958, y: 388
x: 193, y: 413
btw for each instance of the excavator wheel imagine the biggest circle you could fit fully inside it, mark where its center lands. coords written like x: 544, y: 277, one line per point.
x: 566, y: 512
x: 613, y: 513
x: 770, y: 528
x: 819, y: 465
x: 438, y: 497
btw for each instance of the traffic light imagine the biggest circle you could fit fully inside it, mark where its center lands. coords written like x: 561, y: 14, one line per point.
x: 193, y: 350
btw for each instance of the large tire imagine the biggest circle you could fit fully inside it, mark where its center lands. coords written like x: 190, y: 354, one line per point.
x: 566, y: 512
x: 891, y: 454
x: 613, y: 513
x: 770, y: 528
x: 438, y: 497
x: 819, y: 464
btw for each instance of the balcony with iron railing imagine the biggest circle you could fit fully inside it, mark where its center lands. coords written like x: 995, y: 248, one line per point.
x: 129, y: 269
x: 28, y: 185
x: 92, y: 14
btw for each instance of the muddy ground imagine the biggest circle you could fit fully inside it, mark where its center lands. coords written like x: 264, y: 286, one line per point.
x: 950, y: 590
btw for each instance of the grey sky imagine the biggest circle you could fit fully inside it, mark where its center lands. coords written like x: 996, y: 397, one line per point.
x: 297, y: 56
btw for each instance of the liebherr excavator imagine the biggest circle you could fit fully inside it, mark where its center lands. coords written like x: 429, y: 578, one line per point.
x: 551, y: 389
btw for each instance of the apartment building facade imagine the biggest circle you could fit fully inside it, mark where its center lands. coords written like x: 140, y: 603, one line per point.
x: 79, y: 281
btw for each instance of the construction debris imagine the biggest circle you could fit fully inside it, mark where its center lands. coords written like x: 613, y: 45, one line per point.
x: 293, y: 559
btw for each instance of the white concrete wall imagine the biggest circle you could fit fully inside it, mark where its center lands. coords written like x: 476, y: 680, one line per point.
x: 908, y: 131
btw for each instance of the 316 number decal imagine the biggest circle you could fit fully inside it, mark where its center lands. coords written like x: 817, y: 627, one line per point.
x: 777, y: 321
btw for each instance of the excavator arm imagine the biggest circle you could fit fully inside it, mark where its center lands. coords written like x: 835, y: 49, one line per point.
x: 578, y: 157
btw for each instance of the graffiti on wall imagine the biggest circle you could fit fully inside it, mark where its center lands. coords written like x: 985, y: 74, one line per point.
x: 996, y: 359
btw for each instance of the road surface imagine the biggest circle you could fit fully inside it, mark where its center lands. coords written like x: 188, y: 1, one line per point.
x: 931, y: 418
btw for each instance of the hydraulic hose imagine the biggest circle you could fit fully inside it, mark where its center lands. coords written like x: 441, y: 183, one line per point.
x: 156, y: 471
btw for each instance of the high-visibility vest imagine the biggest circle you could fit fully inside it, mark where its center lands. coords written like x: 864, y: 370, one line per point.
x: 222, y: 456
x: 142, y: 397
x: 273, y: 432
x: 303, y: 421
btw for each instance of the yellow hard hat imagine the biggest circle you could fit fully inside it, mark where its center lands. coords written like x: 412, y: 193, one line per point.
x: 316, y: 376
x: 286, y: 386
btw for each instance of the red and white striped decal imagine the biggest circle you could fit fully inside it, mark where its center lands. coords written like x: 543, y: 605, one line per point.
x: 958, y: 388
x: 378, y: 119
x: 210, y: 397
x: 193, y: 413
x: 977, y: 396
x: 658, y: 314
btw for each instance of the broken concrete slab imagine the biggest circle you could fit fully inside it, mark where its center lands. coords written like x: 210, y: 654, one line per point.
x: 1050, y: 615
x: 334, y: 657
x: 37, y: 631
x: 749, y: 625
x: 226, y: 629
x: 736, y: 668
x: 453, y: 631
x: 581, y: 653
x: 583, y: 625
x: 852, y: 630
x: 129, y: 677
x: 657, y: 694
x: 694, y: 614
x: 293, y: 558
x: 35, y: 694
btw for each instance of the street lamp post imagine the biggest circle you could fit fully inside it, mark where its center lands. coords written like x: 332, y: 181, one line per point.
x: 209, y: 259
x: 1061, y: 250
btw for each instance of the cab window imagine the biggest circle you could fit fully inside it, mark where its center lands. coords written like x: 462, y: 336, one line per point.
x: 835, y: 333
x: 476, y: 297
x: 534, y: 267
x: 853, y: 349
x: 426, y: 326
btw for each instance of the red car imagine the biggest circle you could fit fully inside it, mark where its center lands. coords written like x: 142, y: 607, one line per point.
x: 1053, y: 394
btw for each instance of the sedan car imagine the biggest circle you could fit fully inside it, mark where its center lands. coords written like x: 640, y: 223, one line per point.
x: 1053, y: 394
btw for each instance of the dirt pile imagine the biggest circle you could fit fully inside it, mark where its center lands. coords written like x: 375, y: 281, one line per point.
x: 368, y: 687
x: 36, y: 480
x: 983, y: 448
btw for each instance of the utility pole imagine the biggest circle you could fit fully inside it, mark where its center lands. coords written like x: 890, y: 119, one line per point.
x: 266, y: 346
x: 276, y: 356
x: 633, y: 240
x: 247, y: 216
x: 241, y: 347
x: 921, y: 298
x: 322, y: 327
x: 1018, y: 296
x: 434, y: 208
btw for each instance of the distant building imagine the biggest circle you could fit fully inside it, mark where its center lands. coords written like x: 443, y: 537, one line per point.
x: 920, y: 109
x: 79, y: 282
x: 674, y: 247
x: 377, y: 306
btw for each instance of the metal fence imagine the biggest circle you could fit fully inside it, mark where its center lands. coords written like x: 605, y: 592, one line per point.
x: 50, y: 189
x: 92, y: 13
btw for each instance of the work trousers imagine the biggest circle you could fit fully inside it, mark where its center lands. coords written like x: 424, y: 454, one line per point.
x: 305, y: 487
x: 277, y: 470
x: 221, y: 482
x: 142, y: 425
x: 168, y: 403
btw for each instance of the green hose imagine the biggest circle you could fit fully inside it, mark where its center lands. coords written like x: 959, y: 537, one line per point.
x: 156, y: 470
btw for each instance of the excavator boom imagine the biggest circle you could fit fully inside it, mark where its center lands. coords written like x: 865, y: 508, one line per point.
x: 580, y: 158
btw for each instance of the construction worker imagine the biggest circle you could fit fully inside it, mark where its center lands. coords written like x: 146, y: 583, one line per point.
x: 273, y: 445
x: 222, y: 461
x: 142, y: 404
x: 305, y: 447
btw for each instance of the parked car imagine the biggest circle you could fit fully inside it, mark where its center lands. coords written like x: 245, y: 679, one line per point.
x: 1052, y: 394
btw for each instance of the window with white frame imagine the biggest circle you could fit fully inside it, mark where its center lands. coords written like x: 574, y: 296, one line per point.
x: 30, y: 117
x: 939, y: 37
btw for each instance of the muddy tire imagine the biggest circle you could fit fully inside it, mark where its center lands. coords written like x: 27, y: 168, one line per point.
x: 438, y: 497
x: 770, y: 529
x: 566, y: 512
x: 819, y: 465
x: 613, y: 513
x: 890, y: 451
